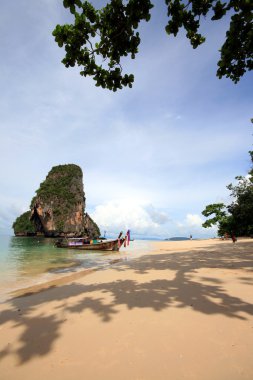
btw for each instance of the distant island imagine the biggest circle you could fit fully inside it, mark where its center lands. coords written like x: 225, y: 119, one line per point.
x: 58, y: 208
x: 177, y: 238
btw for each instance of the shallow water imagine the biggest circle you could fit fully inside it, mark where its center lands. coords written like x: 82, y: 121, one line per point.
x: 27, y: 261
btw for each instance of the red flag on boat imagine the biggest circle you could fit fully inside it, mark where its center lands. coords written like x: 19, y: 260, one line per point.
x: 128, y: 237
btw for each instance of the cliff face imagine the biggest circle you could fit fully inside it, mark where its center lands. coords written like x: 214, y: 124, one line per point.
x: 58, y: 209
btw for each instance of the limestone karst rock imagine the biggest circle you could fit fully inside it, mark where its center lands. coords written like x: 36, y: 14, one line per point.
x: 58, y: 208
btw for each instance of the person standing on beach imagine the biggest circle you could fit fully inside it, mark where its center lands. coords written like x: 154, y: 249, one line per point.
x: 233, y: 237
x: 190, y: 237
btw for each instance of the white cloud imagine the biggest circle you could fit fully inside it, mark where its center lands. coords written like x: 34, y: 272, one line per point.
x: 192, y: 225
x: 9, y: 213
x: 190, y: 221
x: 194, y: 220
x: 145, y: 219
x: 126, y: 214
x: 157, y: 216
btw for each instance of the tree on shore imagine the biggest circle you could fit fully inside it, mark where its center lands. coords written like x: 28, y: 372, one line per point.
x: 236, y: 217
x: 98, y: 38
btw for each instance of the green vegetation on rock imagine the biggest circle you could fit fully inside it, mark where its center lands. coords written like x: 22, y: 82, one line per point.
x: 62, y: 182
x: 23, y: 224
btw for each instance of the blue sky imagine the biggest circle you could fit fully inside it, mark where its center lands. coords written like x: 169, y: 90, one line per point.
x: 152, y: 156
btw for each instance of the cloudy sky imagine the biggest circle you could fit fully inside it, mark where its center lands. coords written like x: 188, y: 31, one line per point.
x: 152, y: 156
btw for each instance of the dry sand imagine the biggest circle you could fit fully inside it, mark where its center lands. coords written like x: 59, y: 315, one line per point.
x: 184, y: 311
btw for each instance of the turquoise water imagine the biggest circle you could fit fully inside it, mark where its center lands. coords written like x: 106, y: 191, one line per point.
x: 27, y: 261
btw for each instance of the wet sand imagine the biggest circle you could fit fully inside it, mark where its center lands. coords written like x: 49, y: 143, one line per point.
x: 182, y: 311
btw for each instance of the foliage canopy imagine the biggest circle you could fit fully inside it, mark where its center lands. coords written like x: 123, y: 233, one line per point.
x: 99, y: 38
x: 238, y: 216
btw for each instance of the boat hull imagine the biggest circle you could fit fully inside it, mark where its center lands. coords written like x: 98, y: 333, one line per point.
x: 112, y: 245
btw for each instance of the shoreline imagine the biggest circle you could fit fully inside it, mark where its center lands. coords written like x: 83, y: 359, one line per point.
x: 48, y: 264
x: 75, y: 268
x: 183, y: 310
x: 64, y: 279
x: 58, y: 279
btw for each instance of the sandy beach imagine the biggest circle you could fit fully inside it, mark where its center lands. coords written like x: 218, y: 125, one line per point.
x: 182, y: 311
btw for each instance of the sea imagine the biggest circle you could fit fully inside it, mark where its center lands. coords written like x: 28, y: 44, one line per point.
x: 28, y: 261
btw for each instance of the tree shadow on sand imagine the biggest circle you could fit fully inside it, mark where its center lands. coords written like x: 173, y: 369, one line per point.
x: 181, y: 286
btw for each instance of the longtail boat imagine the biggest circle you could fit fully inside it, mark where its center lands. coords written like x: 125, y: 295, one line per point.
x: 93, y: 245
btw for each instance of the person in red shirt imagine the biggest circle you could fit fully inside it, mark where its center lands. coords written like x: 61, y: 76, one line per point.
x: 233, y: 238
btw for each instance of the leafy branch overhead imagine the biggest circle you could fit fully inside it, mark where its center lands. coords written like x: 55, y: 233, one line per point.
x: 99, y: 38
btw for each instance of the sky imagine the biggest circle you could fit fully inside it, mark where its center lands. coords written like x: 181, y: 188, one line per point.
x: 152, y: 156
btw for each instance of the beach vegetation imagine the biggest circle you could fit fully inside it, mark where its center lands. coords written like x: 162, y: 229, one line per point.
x: 98, y: 39
x: 236, y: 217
